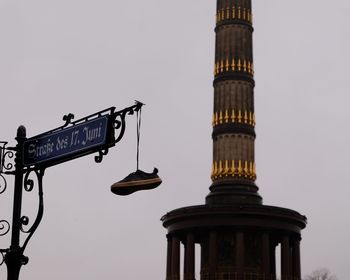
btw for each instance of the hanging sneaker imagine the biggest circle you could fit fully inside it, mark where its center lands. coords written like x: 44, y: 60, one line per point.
x: 137, y: 181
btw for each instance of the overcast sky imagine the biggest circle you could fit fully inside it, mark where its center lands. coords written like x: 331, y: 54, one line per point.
x: 82, y: 56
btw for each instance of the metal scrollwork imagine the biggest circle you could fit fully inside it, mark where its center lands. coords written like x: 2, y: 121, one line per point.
x: 119, y: 126
x: 68, y: 119
x: 24, y: 221
x: 119, y: 119
x: 5, y: 153
x: 2, y: 151
x: 3, y: 252
x: 3, y: 184
x: 28, y: 186
x: 9, y: 165
x: 4, y: 227
x: 28, y: 183
x: 100, y: 155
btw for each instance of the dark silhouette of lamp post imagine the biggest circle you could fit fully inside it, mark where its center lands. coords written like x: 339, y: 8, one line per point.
x: 95, y: 133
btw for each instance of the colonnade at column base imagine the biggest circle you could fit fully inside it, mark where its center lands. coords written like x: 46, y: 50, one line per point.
x: 238, y: 242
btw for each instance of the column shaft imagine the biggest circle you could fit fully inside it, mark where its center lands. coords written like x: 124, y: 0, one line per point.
x: 296, y: 259
x: 189, y: 270
x: 168, y: 260
x: 285, y: 258
x: 175, y: 258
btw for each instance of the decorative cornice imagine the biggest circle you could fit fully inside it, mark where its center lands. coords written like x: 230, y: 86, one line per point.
x: 232, y: 116
x: 233, y: 65
x: 233, y: 169
x: 276, y: 219
x: 234, y: 13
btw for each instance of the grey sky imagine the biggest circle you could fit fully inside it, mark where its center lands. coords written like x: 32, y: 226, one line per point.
x: 82, y: 56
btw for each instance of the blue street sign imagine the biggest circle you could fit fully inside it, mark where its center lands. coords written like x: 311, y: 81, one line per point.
x: 67, y: 143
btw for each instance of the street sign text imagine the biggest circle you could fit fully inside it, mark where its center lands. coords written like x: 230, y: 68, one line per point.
x: 69, y: 142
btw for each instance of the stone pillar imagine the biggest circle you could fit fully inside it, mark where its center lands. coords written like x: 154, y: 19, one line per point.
x: 285, y: 258
x: 168, y: 261
x: 175, y: 258
x: 240, y: 255
x: 266, y: 255
x: 296, y: 259
x: 212, y: 255
x: 189, y: 270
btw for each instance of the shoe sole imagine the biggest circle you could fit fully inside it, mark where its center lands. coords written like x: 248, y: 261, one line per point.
x: 125, y: 188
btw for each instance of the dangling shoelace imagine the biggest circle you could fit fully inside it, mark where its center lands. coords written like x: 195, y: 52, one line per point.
x: 138, y: 126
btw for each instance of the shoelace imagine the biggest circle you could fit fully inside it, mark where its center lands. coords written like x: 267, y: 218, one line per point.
x: 138, y: 126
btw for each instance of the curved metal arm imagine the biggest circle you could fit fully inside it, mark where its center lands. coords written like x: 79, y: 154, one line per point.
x: 28, y: 186
x: 3, y: 184
x: 119, y: 119
x: 118, y: 123
x: 13, y: 256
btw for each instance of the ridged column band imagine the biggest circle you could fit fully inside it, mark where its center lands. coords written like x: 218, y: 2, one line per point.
x: 233, y: 117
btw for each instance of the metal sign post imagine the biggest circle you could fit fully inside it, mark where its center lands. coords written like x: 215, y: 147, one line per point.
x: 95, y: 133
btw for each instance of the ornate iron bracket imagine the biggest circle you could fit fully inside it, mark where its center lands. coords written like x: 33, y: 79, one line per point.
x: 119, y: 126
x: 28, y: 186
x: 119, y: 119
x: 4, y: 167
x: 23, y: 171
x: 12, y: 255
